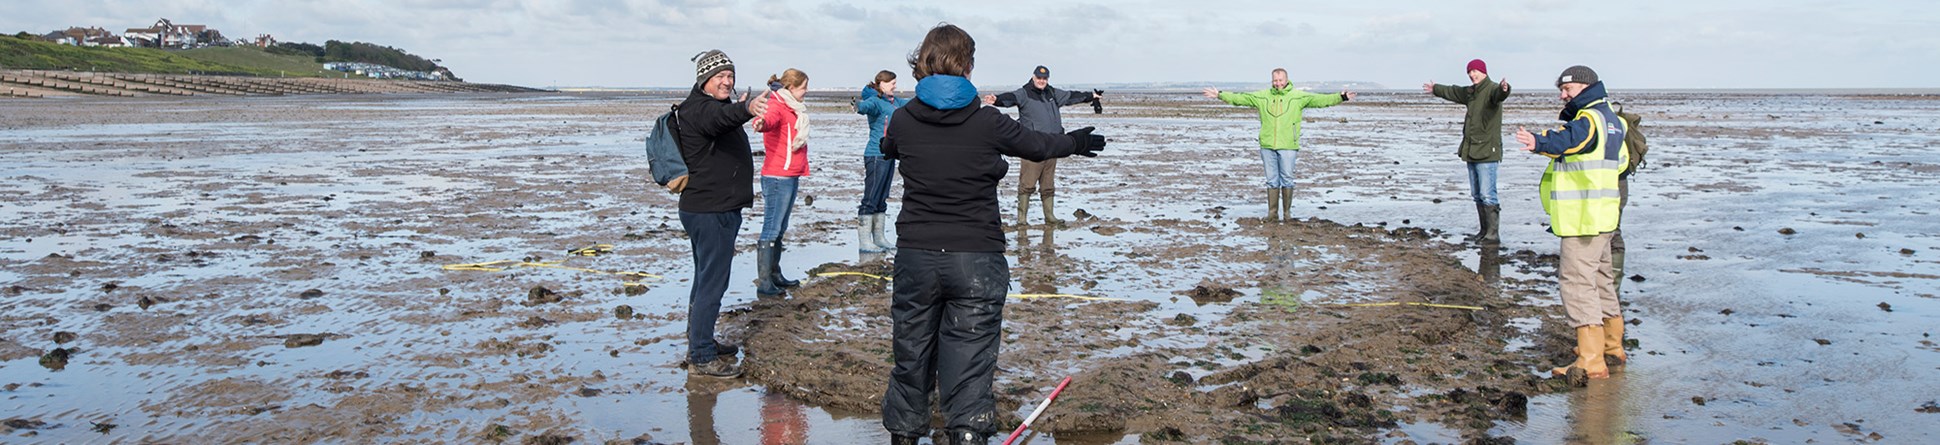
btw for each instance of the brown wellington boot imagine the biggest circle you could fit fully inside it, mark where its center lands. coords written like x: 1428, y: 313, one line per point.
x: 1589, y: 360
x: 1286, y: 204
x: 1023, y: 210
x: 1272, y: 204
x: 1613, y: 353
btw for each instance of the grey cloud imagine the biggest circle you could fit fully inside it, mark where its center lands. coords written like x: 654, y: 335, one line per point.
x: 845, y: 11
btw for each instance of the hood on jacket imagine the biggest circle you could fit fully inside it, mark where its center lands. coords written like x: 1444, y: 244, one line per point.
x: 1592, y: 94
x: 946, y: 92
x: 868, y: 92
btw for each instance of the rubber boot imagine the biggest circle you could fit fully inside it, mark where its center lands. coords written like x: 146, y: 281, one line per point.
x: 774, y: 263
x: 1023, y: 210
x: 1613, y: 353
x: 1491, y: 221
x: 765, y: 270
x: 1272, y: 204
x: 883, y: 244
x: 1286, y: 204
x: 1589, y: 358
x: 1481, y: 223
x: 864, y: 234
x: 1050, y: 206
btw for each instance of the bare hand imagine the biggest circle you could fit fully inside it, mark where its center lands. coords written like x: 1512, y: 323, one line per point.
x: 1528, y: 140
x: 990, y: 99
x: 759, y: 105
x: 1505, y: 84
x: 1210, y: 93
x: 1350, y: 95
x: 1428, y: 87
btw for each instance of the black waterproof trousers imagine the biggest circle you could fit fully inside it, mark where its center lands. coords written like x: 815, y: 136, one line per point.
x: 949, y: 314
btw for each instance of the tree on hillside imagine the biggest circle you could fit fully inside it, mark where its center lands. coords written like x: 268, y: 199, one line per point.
x: 338, y: 51
x: 297, y: 49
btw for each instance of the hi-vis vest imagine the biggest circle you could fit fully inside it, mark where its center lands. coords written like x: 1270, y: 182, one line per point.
x: 1580, y: 191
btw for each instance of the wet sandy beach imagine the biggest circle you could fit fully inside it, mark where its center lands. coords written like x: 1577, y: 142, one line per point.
x: 271, y: 270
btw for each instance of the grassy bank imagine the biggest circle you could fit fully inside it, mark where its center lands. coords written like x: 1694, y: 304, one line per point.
x: 25, y: 54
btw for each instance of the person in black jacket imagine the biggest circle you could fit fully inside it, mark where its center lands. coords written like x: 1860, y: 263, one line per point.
x: 720, y: 183
x: 951, y: 277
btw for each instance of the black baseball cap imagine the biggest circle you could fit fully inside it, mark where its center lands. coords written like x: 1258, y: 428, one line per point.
x: 1041, y: 72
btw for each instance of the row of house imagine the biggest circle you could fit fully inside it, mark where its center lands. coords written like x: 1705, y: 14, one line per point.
x: 383, y: 71
x: 163, y: 34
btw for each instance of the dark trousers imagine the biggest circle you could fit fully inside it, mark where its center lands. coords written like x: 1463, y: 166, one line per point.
x: 948, y: 312
x: 877, y: 171
x: 712, y: 236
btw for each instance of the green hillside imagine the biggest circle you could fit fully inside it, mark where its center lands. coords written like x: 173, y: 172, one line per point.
x: 26, y: 54
x: 255, y: 58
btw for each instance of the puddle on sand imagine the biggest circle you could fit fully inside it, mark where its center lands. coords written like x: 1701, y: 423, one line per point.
x: 482, y: 179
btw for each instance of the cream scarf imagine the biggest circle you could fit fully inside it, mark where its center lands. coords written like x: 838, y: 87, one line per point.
x: 800, y: 132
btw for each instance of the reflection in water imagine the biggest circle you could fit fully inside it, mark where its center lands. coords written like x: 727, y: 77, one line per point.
x: 783, y: 420
x: 1038, y: 263
x: 701, y: 398
x: 1598, y: 413
x: 1490, y: 266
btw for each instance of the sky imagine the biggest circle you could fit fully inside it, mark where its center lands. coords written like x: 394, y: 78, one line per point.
x: 1399, y: 44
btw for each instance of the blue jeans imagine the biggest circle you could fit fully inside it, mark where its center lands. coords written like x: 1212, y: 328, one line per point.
x: 712, y: 236
x: 1279, y: 167
x: 1481, y: 182
x: 778, y: 194
x: 877, y: 171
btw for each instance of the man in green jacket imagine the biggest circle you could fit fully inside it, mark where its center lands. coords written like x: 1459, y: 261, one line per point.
x: 1280, y: 109
x: 1481, y: 144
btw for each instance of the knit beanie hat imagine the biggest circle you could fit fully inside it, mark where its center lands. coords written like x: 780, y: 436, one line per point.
x: 710, y: 62
x: 1577, y: 74
x: 1477, y: 65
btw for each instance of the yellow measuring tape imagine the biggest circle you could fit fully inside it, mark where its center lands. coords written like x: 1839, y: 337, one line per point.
x: 593, y: 250
x: 1406, y: 303
x: 1017, y: 296
x: 856, y: 274
x: 1080, y: 297
x: 501, y: 266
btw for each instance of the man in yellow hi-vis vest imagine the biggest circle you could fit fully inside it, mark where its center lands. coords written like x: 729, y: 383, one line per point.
x: 1580, y: 193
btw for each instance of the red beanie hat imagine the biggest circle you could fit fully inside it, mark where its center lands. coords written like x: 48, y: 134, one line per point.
x: 1477, y: 65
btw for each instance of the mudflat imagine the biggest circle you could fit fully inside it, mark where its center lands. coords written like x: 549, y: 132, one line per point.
x: 308, y: 270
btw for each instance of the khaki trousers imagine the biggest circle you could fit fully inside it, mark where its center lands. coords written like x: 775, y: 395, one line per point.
x: 1038, y: 177
x: 1589, y: 285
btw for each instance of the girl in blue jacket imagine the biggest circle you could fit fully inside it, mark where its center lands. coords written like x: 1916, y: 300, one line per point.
x: 878, y: 101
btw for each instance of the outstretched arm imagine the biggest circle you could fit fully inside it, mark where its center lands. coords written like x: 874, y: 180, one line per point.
x: 1240, y: 99
x: 1573, y: 137
x: 1327, y: 100
x: 1074, y: 98
x: 1012, y: 139
x: 1453, y: 93
x: 1503, y: 94
x: 1002, y: 100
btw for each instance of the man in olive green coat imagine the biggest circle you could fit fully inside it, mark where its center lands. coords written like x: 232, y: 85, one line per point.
x: 1481, y: 144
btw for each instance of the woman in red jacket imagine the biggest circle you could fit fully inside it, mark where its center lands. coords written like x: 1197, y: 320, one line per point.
x: 784, y: 138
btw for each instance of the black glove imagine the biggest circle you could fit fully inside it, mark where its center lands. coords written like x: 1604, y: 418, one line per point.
x: 1088, y: 144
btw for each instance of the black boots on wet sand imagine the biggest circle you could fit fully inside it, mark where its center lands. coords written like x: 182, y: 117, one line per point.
x: 768, y: 277
x: 1489, y: 217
